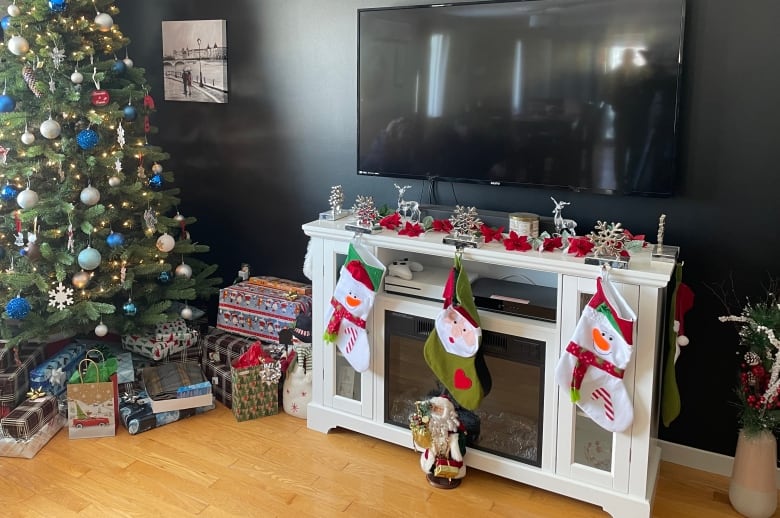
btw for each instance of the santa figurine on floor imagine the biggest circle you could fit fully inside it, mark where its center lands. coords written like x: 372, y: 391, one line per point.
x: 442, y: 456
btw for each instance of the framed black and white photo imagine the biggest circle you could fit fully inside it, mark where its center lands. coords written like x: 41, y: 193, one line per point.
x: 195, y: 60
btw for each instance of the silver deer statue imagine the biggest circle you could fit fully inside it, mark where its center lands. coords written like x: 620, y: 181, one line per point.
x: 560, y: 222
x: 408, y: 210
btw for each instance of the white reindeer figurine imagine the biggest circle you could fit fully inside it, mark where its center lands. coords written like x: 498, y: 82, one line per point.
x: 560, y: 222
x: 407, y: 209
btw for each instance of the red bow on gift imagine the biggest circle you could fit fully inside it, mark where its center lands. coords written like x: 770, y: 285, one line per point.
x: 442, y: 225
x: 580, y: 246
x: 515, y: 242
x: 490, y: 234
x: 391, y: 222
x: 411, y: 230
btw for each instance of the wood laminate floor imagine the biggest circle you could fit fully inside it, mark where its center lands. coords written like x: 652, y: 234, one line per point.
x: 211, y: 465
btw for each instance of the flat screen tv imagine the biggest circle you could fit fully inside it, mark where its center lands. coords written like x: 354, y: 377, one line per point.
x: 573, y: 94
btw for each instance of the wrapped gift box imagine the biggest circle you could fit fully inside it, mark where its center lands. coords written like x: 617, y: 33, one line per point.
x: 223, y: 348
x: 221, y: 384
x: 29, y: 417
x: 165, y: 339
x: 137, y: 416
x: 51, y: 375
x: 285, y: 285
x: 28, y: 449
x: 255, y: 389
x: 15, y: 379
x: 176, y: 386
x: 252, y: 310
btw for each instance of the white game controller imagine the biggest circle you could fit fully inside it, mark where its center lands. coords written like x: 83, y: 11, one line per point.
x: 403, y: 269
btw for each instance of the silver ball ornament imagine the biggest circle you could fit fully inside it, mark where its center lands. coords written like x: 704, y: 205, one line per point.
x: 114, y: 181
x: 165, y: 243
x: 50, y: 129
x: 77, y: 78
x: 186, y: 313
x: 178, y: 217
x: 128, y: 62
x: 18, y: 45
x: 13, y: 10
x: 89, y: 258
x: 184, y: 270
x: 80, y: 279
x: 101, y: 329
x: 89, y: 196
x: 104, y: 22
x: 157, y: 168
x: 27, y: 138
x: 27, y: 199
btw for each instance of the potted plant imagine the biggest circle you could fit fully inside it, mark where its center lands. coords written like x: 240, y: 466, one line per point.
x: 752, y: 490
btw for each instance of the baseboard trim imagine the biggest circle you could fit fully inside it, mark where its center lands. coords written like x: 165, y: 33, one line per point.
x: 699, y: 459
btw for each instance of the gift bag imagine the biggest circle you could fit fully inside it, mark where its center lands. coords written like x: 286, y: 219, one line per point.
x: 592, y: 365
x: 92, y: 405
x: 255, y: 378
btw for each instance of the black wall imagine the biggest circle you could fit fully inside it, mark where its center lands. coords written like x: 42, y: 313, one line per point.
x: 255, y: 169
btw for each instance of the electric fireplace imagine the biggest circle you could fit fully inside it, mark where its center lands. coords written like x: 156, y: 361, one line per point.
x: 508, y: 422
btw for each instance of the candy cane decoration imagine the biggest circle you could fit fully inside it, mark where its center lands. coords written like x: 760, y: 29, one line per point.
x: 602, y: 394
x: 352, y: 332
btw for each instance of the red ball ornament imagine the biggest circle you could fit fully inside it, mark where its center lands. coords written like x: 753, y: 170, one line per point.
x: 100, y: 98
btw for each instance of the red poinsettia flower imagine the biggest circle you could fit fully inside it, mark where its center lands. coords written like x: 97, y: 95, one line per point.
x: 490, y: 234
x: 411, y: 230
x: 391, y: 222
x: 551, y: 243
x: 442, y: 225
x: 515, y: 242
x: 580, y: 246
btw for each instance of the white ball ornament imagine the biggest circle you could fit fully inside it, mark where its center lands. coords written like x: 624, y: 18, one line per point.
x: 157, y: 168
x: 184, y: 270
x: 89, y: 258
x: 186, y: 313
x: 13, y: 10
x: 27, y: 138
x: 18, y: 45
x: 27, y: 199
x: 114, y: 181
x: 165, y: 243
x: 101, y: 329
x: 104, y: 22
x: 77, y: 78
x: 89, y: 196
x: 50, y: 129
x: 128, y: 62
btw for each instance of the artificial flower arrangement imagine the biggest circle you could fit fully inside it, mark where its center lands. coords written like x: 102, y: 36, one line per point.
x: 758, y: 387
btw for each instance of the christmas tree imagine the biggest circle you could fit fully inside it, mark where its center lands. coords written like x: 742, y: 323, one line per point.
x: 91, y: 238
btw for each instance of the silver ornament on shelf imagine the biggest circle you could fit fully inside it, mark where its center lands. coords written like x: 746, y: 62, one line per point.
x: 50, y: 129
x: 165, y: 243
x: 89, y: 196
x: 27, y: 199
x: 184, y: 270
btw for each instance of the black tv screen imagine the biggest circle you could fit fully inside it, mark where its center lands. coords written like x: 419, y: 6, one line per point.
x: 575, y: 94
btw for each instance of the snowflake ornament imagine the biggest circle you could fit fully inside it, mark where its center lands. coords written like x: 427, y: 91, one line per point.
x: 465, y: 221
x: 57, y: 56
x: 120, y: 136
x: 608, y: 239
x: 60, y: 297
x: 118, y: 165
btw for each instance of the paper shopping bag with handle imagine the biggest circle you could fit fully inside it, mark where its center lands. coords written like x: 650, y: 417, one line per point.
x: 91, y: 404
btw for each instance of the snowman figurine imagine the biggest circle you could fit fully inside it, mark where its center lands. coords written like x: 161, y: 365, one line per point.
x: 296, y: 390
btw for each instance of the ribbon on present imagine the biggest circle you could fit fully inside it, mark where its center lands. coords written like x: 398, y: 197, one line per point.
x: 271, y: 373
x: 35, y: 393
x: 57, y: 377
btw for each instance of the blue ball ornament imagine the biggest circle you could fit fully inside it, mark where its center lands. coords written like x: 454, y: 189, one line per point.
x: 119, y: 67
x: 156, y: 181
x: 89, y: 258
x: 130, y: 113
x: 87, y: 139
x: 5, y: 22
x: 115, y: 239
x: 130, y: 308
x: 165, y: 277
x: 8, y: 193
x: 7, y: 103
x: 58, y: 6
x: 17, y: 308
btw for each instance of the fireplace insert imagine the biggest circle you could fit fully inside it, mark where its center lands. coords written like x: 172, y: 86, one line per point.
x: 508, y: 422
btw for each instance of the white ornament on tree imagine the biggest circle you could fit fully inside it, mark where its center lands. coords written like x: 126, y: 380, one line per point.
x: 89, y: 196
x: 60, y: 297
x: 165, y: 243
x: 27, y: 199
x: 27, y: 137
x: 101, y: 329
x: 104, y: 22
x: 186, y: 313
x: 114, y: 181
x: 18, y: 45
x: 184, y: 270
x: 89, y: 258
x: 50, y: 128
x: 77, y: 77
x: 13, y: 10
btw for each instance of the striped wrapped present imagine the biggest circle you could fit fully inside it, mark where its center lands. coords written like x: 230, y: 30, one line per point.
x: 15, y: 377
x: 29, y: 417
x: 10, y: 447
x: 220, y: 347
x: 51, y: 375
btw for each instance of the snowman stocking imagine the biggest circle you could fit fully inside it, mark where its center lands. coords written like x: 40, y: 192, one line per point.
x: 592, y: 366
x: 452, y: 349
x: 351, y: 304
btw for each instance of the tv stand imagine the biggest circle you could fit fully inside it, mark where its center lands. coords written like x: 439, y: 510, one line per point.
x: 616, y: 471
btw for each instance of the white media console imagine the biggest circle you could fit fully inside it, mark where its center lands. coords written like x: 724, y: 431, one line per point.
x: 616, y: 471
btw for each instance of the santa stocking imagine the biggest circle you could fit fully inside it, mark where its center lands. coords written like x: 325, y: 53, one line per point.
x: 592, y: 366
x: 452, y: 349
x: 351, y: 304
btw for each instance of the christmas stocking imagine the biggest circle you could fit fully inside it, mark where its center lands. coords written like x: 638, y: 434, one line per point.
x: 592, y: 366
x: 452, y: 349
x: 351, y: 304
